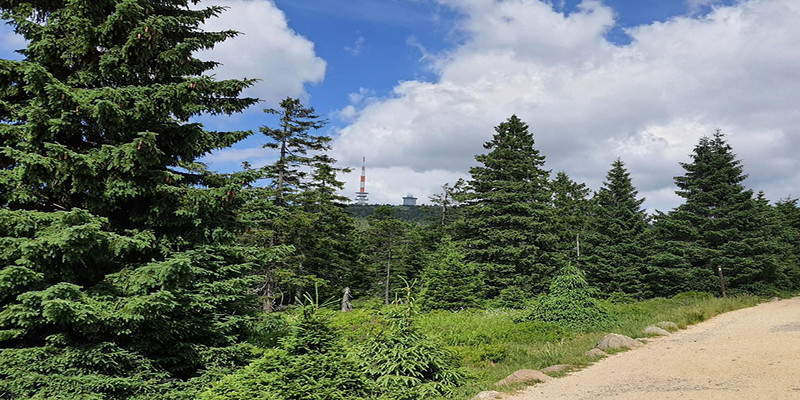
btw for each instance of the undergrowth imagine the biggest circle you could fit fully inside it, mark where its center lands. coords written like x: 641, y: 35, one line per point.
x: 492, y: 345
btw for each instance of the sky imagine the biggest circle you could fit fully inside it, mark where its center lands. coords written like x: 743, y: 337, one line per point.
x: 417, y: 86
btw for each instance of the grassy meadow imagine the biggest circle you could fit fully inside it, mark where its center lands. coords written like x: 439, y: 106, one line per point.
x: 493, y: 343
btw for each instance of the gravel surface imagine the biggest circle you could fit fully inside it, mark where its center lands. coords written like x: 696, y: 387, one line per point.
x: 749, y: 354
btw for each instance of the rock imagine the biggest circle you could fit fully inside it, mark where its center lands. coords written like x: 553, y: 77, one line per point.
x: 522, y: 376
x: 596, y: 353
x: 488, y: 395
x: 774, y: 299
x: 616, y: 341
x: 653, y: 330
x: 555, y: 368
x: 668, y: 325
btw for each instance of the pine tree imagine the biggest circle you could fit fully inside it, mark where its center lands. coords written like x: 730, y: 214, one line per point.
x: 450, y: 283
x: 120, y: 267
x: 714, y: 239
x: 571, y: 203
x: 507, y: 224
x: 293, y: 141
x: 788, y: 217
x: 384, y: 241
x: 617, y: 241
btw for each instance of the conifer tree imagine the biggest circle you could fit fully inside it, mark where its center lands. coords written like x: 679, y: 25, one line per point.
x: 385, y: 241
x: 293, y: 141
x: 715, y: 239
x: 120, y: 267
x: 507, y: 224
x: 450, y: 283
x: 312, y: 217
x: 571, y: 203
x: 788, y: 216
x: 616, y: 243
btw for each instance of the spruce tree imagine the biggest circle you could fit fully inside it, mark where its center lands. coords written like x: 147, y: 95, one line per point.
x: 714, y: 241
x: 450, y: 283
x: 507, y: 224
x: 616, y: 244
x: 571, y: 203
x: 121, y: 273
x: 788, y: 216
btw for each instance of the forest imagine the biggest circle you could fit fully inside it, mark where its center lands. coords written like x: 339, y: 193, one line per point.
x: 129, y: 270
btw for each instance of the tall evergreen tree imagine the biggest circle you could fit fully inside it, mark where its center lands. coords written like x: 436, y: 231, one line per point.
x: 120, y: 268
x: 571, y: 203
x: 385, y: 242
x: 507, y: 224
x: 616, y: 244
x: 293, y: 140
x: 714, y: 239
x: 312, y: 218
x: 788, y: 215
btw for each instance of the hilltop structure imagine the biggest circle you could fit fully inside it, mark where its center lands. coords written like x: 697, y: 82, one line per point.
x: 361, y: 195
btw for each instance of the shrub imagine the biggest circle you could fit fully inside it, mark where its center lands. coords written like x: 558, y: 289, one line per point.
x: 450, y: 283
x: 569, y: 304
x: 310, y: 364
x: 405, y: 363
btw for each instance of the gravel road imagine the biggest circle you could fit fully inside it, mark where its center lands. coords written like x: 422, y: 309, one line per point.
x: 749, y: 354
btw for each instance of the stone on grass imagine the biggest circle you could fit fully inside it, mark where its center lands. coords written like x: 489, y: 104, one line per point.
x: 616, y: 341
x: 555, y: 368
x: 596, y: 353
x: 668, y: 325
x: 488, y: 395
x: 774, y: 299
x: 522, y: 376
x: 655, y: 331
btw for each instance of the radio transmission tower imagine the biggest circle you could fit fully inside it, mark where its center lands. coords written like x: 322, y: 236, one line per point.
x: 361, y: 195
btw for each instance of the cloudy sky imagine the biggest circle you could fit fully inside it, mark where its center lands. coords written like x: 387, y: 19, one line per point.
x: 416, y: 86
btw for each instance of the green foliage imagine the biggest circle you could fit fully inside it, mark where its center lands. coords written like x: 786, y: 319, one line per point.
x: 450, y: 283
x: 309, y: 364
x: 572, y: 207
x: 720, y: 229
x: 570, y: 304
x: 617, y: 241
x: 120, y: 270
x: 512, y: 297
x: 508, y: 221
x: 405, y: 363
x: 420, y: 215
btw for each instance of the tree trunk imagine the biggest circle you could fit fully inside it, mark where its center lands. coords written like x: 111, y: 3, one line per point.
x: 268, y: 304
x: 721, y: 280
x: 346, y: 306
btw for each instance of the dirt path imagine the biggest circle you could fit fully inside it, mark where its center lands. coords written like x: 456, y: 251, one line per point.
x: 748, y: 354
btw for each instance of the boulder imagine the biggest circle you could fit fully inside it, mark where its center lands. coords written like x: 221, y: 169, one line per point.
x: 616, y: 341
x: 668, y: 325
x: 522, y: 376
x: 774, y: 299
x: 488, y: 395
x: 555, y: 368
x: 595, y: 353
x: 653, y: 330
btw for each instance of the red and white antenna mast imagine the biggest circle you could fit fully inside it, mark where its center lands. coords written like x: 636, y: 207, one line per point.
x: 361, y: 195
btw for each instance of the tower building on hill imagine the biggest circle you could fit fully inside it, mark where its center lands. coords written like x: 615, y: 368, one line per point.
x: 361, y: 195
x: 409, y: 200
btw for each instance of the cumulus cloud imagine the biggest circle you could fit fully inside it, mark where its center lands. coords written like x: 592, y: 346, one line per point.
x: 589, y: 101
x: 267, y: 49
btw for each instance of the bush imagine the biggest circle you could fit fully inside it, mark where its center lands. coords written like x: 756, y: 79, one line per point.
x: 310, y: 364
x: 405, y: 363
x: 569, y: 304
x: 512, y: 297
x: 449, y: 282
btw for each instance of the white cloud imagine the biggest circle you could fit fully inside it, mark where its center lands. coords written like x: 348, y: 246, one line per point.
x: 357, y: 47
x: 267, y: 49
x: 589, y: 101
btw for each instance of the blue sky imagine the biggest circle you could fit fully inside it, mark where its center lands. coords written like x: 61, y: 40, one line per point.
x: 417, y: 86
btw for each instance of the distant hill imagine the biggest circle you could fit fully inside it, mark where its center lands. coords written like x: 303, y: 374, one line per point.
x: 412, y: 214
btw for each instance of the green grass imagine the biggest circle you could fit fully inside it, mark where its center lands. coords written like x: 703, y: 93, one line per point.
x: 492, y: 344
